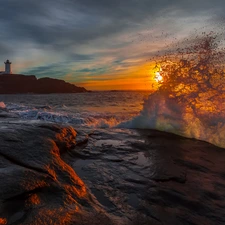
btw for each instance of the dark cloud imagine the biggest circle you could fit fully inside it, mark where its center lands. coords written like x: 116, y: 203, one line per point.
x: 51, y: 70
x: 93, y: 71
x: 63, y: 26
x: 79, y: 57
x: 61, y: 23
x: 58, y: 69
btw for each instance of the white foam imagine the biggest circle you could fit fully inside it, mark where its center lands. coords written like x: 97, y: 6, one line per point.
x: 168, y: 115
x: 84, y: 119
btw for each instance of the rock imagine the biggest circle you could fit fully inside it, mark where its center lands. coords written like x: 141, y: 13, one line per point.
x: 51, y: 174
x: 160, y: 179
x: 36, y: 185
x: 20, y: 84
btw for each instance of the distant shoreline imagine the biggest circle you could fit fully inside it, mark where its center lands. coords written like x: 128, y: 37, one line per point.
x: 29, y: 84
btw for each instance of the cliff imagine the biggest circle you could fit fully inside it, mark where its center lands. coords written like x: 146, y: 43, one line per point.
x: 22, y: 84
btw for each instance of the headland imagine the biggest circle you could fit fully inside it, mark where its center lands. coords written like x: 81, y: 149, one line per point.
x: 27, y: 84
x: 24, y: 84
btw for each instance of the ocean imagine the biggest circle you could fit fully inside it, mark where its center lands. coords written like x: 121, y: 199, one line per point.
x: 92, y: 110
x: 160, y: 110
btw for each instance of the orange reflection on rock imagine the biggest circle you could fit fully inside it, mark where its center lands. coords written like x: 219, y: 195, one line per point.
x: 51, y: 171
x: 57, y: 216
x: 55, y: 191
x: 33, y: 200
x: 3, y: 221
x: 66, y: 137
x: 75, y: 184
x: 80, y: 191
x: 33, y: 182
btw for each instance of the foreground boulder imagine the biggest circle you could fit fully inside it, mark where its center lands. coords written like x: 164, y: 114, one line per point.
x: 36, y: 185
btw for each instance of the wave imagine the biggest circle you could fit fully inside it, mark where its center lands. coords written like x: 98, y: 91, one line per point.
x: 190, y: 99
x: 83, y: 119
x: 165, y: 114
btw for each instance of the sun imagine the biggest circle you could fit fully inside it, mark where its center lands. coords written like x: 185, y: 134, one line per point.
x: 158, y: 77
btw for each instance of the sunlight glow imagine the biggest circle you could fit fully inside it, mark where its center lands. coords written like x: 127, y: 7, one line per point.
x: 158, y: 77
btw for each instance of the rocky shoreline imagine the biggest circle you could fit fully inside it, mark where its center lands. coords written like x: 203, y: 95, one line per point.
x: 53, y: 174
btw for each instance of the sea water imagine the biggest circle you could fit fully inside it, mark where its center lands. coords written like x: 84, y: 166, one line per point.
x: 103, y: 109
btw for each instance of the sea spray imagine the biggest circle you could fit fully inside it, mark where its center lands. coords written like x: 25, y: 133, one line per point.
x: 190, y: 100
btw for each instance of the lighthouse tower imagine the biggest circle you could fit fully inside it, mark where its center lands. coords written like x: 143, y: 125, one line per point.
x: 8, y: 67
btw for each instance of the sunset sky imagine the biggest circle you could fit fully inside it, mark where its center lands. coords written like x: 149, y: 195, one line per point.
x: 99, y: 44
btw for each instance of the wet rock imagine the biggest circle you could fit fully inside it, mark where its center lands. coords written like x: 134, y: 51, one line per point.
x: 160, y: 178
x: 51, y: 174
x: 36, y: 185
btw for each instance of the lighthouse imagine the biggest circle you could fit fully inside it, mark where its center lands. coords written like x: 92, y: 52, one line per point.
x: 8, y: 67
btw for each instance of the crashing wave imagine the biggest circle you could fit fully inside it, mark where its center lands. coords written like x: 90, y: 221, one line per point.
x: 190, y: 96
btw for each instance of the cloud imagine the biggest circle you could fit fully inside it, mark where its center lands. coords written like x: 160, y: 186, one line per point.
x: 61, y: 23
x: 79, y: 36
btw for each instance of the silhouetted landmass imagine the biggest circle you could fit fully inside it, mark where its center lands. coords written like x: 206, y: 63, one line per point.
x: 22, y: 84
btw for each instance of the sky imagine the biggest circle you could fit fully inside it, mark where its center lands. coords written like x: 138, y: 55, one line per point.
x: 99, y: 44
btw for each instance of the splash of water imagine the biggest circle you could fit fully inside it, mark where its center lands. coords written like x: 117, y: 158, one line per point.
x: 190, y: 100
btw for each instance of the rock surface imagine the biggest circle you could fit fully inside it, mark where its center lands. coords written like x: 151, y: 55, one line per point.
x: 20, y: 84
x: 52, y: 174
x: 153, y: 177
x: 36, y: 185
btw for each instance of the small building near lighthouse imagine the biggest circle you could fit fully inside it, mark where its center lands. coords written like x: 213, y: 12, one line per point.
x: 8, y: 68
